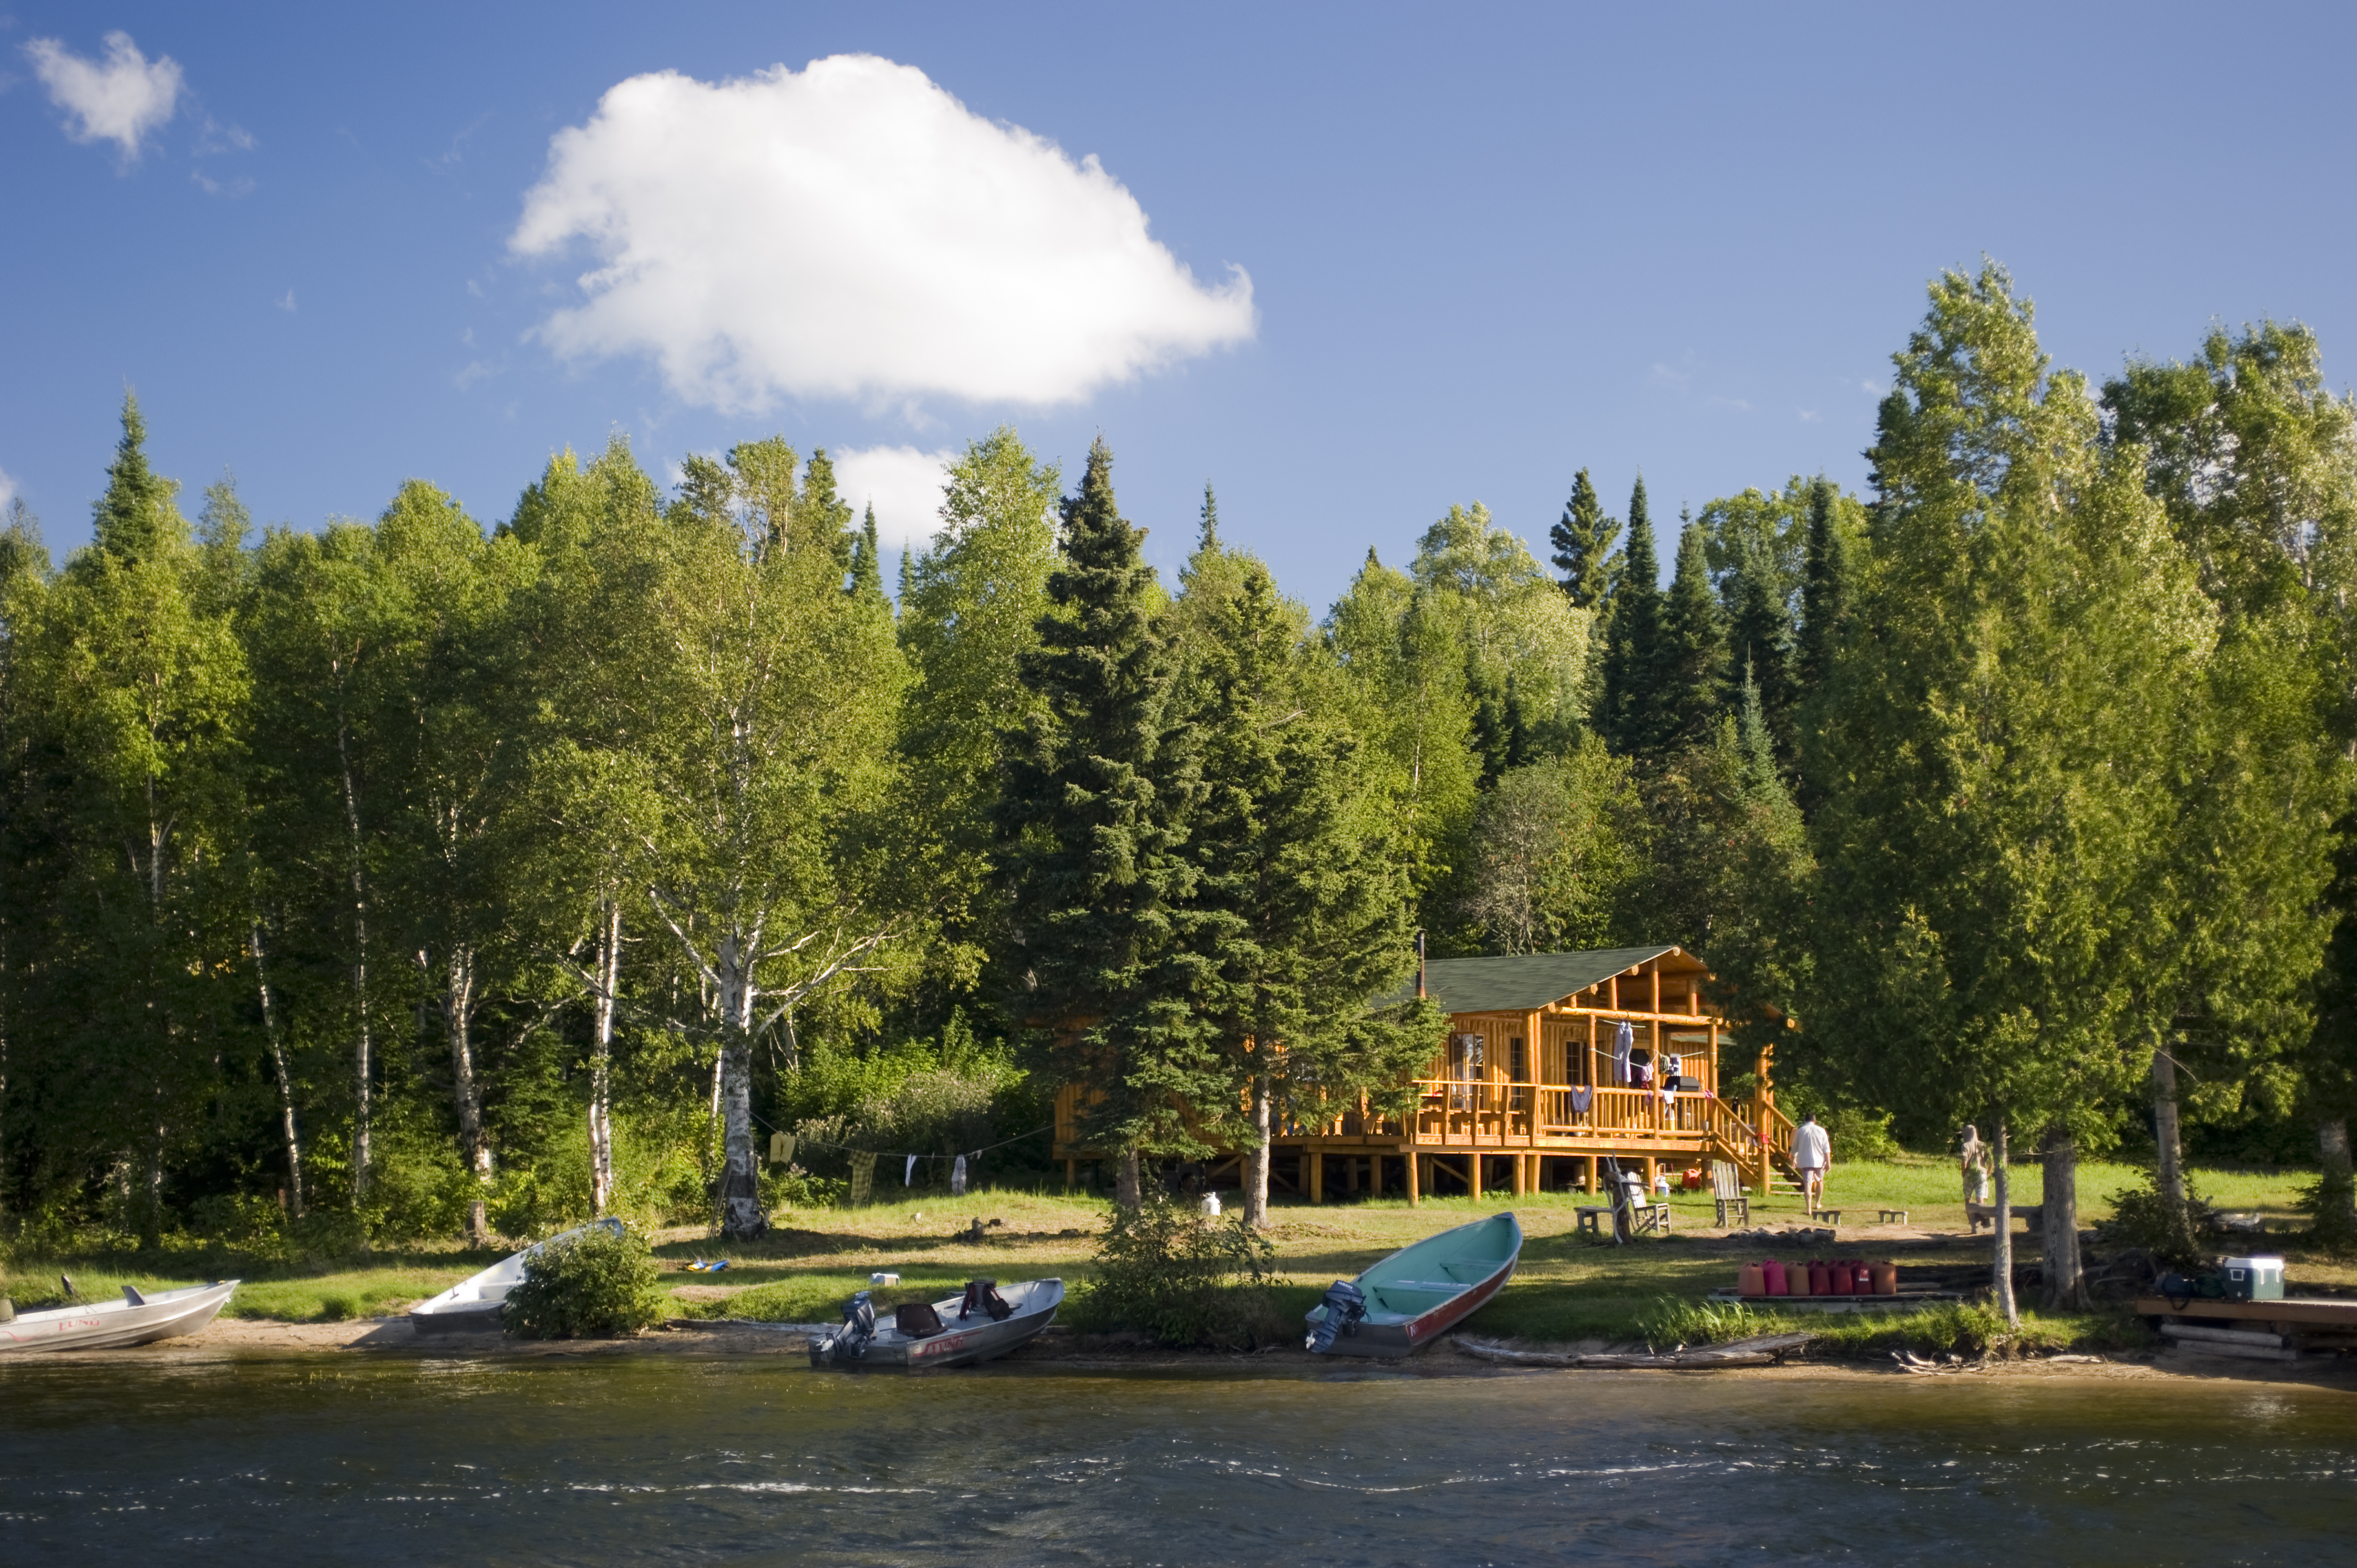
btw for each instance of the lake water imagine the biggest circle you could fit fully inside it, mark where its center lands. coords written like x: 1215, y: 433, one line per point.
x: 645, y: 1460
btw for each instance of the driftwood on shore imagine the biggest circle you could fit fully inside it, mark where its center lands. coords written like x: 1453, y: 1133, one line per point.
x: 1760, y: 1351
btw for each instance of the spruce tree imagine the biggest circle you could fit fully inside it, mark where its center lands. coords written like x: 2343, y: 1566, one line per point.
x: 866, y: 563
x: 1624, y: 707
x: 1689, y: 684
x: 1582, y: 539
x: 134, y: 519
x: 1825, y: 592
x: 1090, y: 822
x: 1758, y: 639
x: 823, y: 518
x: 1299, y: 913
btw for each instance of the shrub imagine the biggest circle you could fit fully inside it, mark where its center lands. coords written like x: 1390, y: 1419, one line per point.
x: 600, y: 1284
x: 2142, y: 1218
x: 1168, y: 1272
x: 2331, y: 1224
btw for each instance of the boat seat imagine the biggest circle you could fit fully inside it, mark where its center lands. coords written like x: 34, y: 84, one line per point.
x: 1444, y: 1287
x: 917, y: 1320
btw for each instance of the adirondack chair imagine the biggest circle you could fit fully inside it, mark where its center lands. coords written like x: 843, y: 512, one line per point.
x: 1727, y: 1187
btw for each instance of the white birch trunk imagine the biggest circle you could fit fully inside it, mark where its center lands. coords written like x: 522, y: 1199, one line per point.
x: 361, y: 1153
x: 457, y: 1025
x: 741, y: 1218
x: 601, y: 1057
x: 2001, y: 1267
x: 286, y: 1082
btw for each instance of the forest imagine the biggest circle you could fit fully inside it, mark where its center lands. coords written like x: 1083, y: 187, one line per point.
x: 641, y: 853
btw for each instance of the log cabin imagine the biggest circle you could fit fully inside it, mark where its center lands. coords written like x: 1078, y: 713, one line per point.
x: 1533, y: 1082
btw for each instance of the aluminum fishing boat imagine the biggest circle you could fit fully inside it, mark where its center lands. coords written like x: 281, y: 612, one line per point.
x: 981, y: 1324
x: 472, y: 1305
x: 138, y: 1318
x: 1419, y: 1292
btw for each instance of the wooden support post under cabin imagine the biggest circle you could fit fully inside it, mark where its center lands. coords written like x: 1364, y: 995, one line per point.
x: 1072, y: 1175
x: 1653, y: 1169
x: 1518, y: 1174
x: 1317, y: 1175
x: 1414, y: 1183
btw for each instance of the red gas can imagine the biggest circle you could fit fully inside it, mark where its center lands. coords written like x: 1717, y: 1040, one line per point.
x: 1772, y: 1280
x: 1820, y: 1282
x: 1837, y: 1282
x: 1861, y: 1278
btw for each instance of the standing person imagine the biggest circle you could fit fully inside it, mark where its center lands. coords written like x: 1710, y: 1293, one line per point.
x: 1812, y: 1156
x: 1973, y: 1164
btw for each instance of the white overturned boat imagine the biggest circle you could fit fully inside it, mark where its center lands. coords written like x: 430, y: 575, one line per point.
x: 136, y: 1319
x: 1419, y: 1292
x: 981, y: 1324
x: 472, y: 1305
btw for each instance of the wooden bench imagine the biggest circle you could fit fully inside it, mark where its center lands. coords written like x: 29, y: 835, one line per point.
x: 1726, y: 1189
x: 1891, y: 1216
x: 1980, y: 1214
x: 1830, y: 1216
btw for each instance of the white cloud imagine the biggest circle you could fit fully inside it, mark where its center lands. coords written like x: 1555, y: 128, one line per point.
x: 853, y: 231
x: 904, y: 484
x: 119, y: 101
x: 8, y: 491
x: 286, y: 303
x: 1809, y: 416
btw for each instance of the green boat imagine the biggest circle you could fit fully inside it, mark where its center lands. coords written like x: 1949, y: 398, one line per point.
x: 1419, y: 1292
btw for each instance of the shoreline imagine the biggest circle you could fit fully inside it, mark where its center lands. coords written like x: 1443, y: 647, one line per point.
x: 257, y: 1340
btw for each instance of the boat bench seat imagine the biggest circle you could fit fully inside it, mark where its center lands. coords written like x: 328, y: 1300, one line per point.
x: 1444, y: 1287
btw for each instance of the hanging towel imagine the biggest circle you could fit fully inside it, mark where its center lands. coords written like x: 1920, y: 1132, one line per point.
x: 863, y: 1177
x: 909, y: 1176
x: 1624, y: 1040
x: 782, y: 1148
x: 1582, y: 1098
x: 957, y: 1177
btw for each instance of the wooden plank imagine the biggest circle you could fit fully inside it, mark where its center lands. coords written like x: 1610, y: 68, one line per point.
x: 1415, y: 1186
x: 2339, y: 1314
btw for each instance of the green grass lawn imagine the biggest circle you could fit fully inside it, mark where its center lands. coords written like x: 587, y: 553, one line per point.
x: 1568, y: 1288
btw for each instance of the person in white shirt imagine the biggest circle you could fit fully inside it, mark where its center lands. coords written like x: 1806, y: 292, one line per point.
x: 1812, y: 1156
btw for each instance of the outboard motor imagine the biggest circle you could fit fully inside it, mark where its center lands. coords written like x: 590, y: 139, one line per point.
x: 848, y: 1343
x: 1345, y: 1304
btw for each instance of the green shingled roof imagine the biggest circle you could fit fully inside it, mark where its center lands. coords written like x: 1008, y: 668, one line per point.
x: 1520, y: 985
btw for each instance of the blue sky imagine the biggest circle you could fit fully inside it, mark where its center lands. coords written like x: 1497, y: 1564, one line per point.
x: 1482, y: 246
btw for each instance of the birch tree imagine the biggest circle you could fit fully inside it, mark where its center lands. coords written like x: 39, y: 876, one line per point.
x: 765, y: 701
